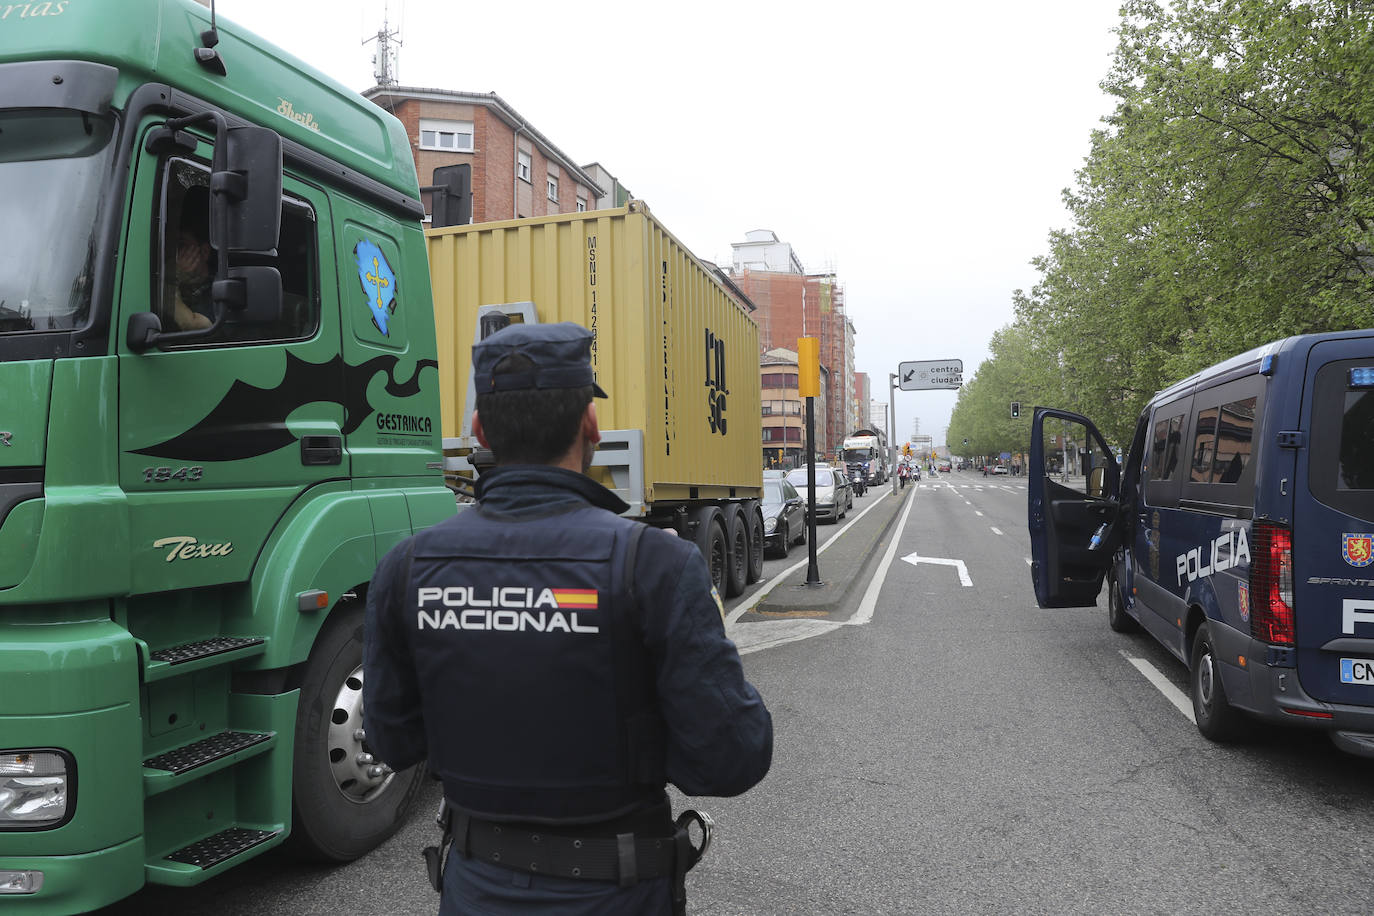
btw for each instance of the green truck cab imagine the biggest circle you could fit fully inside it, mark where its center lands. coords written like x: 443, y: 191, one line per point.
x: 220, y: 407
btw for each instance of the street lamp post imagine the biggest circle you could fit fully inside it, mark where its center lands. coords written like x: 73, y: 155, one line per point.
x: 891, y: 427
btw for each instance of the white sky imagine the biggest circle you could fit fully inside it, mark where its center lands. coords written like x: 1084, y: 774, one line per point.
x: 916, y: 148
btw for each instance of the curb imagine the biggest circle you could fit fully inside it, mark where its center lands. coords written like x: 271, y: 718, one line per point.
x: 792, y: 597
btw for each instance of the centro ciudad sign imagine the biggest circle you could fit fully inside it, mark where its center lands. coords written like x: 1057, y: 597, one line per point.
x: 930, y: 374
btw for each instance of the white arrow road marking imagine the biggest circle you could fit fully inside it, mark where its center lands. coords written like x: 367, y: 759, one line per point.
x: 958, y: 565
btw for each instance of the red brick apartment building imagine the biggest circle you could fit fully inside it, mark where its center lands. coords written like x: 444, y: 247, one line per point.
x: 793, y: 305
x: 516, y: 170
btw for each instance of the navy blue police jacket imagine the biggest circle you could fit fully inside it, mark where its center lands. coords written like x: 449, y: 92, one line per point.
x: 495, y: 646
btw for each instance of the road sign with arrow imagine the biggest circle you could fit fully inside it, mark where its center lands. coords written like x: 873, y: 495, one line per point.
x: 930, y: 374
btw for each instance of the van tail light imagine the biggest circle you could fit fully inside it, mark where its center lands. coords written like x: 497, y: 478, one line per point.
x: 1271, y: 585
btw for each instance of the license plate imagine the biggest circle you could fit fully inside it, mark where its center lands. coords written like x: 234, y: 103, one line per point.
x: 1357, y: 671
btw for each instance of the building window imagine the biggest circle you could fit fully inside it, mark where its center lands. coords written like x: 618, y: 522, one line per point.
x: 553, y: 188
x: 582, y: 205
x: 522, y: 165
x: 449, y: 136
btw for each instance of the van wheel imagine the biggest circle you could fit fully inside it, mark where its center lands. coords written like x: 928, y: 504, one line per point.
x: 343, y: 803
x: 1216, y: 718
x: 755, y: 520
x: 1117, y: 618
x: 737, y: 571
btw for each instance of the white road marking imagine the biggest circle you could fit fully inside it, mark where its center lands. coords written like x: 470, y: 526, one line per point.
x: 995, y: 529
x: 1162, y: 684
x: 751, y: 637
x: 958, y: 565
x: 1029, y: 562
x: 763, y: 591
x: 977, y: 513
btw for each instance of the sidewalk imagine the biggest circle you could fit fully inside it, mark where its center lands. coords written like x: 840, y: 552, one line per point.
x: 842, y: 561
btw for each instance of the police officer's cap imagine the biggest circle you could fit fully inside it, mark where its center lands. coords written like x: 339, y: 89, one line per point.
x: 561, y: 354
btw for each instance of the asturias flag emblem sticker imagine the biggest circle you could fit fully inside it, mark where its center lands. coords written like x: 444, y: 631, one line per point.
x: 379, y: 283
x: 1358, y: 549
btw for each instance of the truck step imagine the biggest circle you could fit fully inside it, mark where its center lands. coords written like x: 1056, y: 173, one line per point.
x: 193, y: 656
x: 224, y: 845
x: 177, y: 655
x: 207, y: 750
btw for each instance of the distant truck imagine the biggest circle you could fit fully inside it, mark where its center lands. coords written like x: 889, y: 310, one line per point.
x: 865, y: 450
x: 676, y: 352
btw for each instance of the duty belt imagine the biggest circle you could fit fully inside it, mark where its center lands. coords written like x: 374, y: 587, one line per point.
x: 624, y: 858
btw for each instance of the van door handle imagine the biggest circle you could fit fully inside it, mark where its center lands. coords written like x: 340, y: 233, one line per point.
x: 317, y: 451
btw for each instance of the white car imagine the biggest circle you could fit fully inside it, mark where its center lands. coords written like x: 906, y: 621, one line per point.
x: 1000, y: 469
x: 831, y: 491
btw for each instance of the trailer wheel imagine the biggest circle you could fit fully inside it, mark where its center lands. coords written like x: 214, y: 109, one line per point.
x: 737, y: 558
x: 343, y: 802
x: 710, y: 540
x: 755, y: 519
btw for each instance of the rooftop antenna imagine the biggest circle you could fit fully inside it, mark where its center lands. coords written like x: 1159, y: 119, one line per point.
x: 206, y: 55
x: 384, y: 61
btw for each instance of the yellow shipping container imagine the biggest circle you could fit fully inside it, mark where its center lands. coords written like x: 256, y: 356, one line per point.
x: 676, y: 352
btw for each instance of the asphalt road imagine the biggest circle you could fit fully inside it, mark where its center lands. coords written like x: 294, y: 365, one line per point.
x: 961, y: 752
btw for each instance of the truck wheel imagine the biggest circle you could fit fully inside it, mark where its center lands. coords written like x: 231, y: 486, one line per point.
x: 737, y: 570
x: 1216, y: 718
x: 1117, y: 618
x: 343, y: 803
x: 710, y: 540
x: 755, y: 519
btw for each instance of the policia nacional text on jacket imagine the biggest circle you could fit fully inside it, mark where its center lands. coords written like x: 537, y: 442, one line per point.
x: 558, y: 665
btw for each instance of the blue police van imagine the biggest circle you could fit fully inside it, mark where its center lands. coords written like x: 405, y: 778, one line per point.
x: 1238, y: 532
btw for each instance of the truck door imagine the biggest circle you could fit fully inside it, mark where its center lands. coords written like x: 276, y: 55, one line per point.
x: 1072, y: 509
x: 1332, y: 540
x: 218, y: 435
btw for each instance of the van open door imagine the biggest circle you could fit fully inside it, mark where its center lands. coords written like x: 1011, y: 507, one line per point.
x: 1073, y: 509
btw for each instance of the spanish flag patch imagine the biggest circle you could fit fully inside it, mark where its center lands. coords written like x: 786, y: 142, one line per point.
x: 575, y: 598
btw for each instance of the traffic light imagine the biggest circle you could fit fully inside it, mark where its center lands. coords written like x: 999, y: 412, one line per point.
x: 1016, y: 410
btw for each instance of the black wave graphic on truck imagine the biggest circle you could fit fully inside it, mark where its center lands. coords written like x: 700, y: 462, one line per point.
x: 250, y: 421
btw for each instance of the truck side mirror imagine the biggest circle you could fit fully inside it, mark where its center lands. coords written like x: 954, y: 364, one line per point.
x: 246, y: 181
x: 1097, y: 482
x: 252, y: 295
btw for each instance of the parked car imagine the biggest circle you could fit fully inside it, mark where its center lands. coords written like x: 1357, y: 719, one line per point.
x: 784, y: 516
x: 773, y: 474
x: 830, y: 490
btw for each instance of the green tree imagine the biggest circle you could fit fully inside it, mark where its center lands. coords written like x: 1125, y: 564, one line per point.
x: 1227, y: 201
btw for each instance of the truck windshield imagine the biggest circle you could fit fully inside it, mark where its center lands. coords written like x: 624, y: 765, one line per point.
x: 52, y: 165
x: 858, y: 454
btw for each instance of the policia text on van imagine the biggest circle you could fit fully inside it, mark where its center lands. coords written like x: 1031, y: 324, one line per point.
x: 1240, y: 533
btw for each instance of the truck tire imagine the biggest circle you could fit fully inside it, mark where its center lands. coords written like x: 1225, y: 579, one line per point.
x: 339, y: 811
x: 754, y: 516
x: 710, y: 540
x: 737, y: 556
x: 1216, y: 718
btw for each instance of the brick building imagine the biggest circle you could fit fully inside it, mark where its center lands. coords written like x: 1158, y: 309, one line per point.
x: 862, y: 395
x: 789, y: 306
x: 516, y: 170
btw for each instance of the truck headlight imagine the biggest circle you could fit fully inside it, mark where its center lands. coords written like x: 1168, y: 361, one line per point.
x: 33, y: 788
x: 770, y: 525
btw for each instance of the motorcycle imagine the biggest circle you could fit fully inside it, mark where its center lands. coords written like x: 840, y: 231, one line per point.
x: 857, y: 481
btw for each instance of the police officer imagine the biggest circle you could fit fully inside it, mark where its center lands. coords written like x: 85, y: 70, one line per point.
x: 556, y: 663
